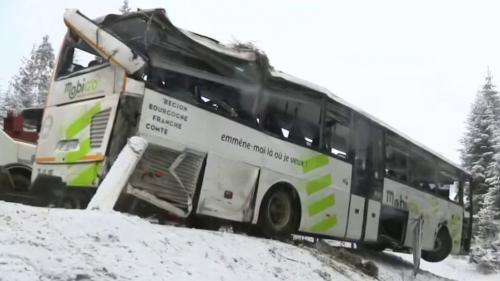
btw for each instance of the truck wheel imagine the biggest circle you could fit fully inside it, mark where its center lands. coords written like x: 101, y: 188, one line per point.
x: 21, y: 182
x: 442, y: 247
x: 277, y: 216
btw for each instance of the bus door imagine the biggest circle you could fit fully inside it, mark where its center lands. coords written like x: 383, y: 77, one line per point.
x: 367, y: 181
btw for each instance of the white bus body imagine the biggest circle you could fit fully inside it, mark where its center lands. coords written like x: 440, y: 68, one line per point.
x: 206, y: 158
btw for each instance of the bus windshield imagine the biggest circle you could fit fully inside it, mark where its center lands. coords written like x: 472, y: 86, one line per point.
x: 76, y: 56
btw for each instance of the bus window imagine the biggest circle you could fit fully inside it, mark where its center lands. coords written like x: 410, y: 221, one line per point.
x: 75, y: 56
x: 368, y: 158
x: 225, y: 100
x: 293, y: 116
x: 396, y: 158
x: 222, y: 99
x: 423, y: 169
x: 336, y: 129
x: 448, y: 183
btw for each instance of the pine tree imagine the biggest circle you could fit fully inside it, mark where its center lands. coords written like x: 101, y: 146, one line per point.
x: 44, y: 65
x: 30, y: 86
x: 7, y: 102
x: 124, y: 9
x: 481, y: 156
x: 2, y: 103
x: 479, y: 140
x: 486, y: 249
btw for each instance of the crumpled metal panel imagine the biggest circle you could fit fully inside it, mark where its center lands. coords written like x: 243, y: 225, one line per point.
x: 170, y: 175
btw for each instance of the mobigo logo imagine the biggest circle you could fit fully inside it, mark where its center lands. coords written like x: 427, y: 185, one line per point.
x: 81, y: 86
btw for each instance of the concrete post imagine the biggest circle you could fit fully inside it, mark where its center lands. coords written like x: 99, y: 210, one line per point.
x: 117, y: 178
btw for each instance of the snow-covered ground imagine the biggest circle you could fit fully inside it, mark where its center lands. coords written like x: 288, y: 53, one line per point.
x: 455, y: 267
x: 54, y: 244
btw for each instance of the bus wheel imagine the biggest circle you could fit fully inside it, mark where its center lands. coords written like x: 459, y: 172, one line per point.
x: 277, y: 216
x: 376, y: 247
x: 204, y: 222
x: 21, y: 182
x: 75, y: 200
x: 442, y: 247
x: 71, y: 203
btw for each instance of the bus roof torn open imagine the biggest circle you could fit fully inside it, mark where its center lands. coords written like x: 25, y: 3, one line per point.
x: 155, y: 44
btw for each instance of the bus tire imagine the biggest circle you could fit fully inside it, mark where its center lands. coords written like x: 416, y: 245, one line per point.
x: 277, y: 217
x: 204, y: 222
x: 375, y: 247
x: 21, y: 182
x: 442, y: 247
x: 20, y: 175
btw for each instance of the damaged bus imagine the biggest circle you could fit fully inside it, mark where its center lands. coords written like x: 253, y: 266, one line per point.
x: 231, y: 138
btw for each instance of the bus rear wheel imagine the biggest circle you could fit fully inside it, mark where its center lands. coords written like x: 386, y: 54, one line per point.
x: 277, y: 218
x: 442, y: 247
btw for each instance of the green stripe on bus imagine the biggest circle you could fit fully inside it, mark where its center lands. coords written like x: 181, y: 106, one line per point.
x: 318, y: 184
x: 77, y: 155
x: 315, y: 162
x: 82, y: 122
x: 86, y: 177
x: 321, y: 205
x: 325, y: 224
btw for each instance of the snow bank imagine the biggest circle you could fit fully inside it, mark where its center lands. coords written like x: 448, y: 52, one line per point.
x: 455, y: 267
x: 56, y: 244
x: 51, y: 244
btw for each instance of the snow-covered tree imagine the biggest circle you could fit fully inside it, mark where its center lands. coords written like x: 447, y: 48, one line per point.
x: 44, y: 65
x: 30, y: 86
x: 481, y: 156
x: 2, y: 103
x: 479, y: 143
x: 486, y: 248
x: 124, y: 9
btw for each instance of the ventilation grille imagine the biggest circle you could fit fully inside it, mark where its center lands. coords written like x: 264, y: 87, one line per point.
x: 98, y: 128
x: 152, y: 175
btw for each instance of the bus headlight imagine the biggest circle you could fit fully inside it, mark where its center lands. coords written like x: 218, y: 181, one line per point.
x: 67, y: 145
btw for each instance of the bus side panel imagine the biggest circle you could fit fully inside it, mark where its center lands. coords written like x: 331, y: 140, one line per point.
x: 372, y: 221
x: 455, y: 226
x: 436, y: 212
x: 356, y: 215
x: 324, y: 197
x: 325, y: 181
x: 236, y: 181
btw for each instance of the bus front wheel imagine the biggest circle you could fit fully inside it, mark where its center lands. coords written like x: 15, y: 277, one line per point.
x: 277, y: 214
x: 21, y: 182
x: 442, y: 247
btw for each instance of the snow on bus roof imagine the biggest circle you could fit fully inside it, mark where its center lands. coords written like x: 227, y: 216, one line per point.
x: 214, y: 45
x: 317, y: 88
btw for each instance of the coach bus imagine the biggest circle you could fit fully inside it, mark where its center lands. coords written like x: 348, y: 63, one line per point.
x: 233, y: 139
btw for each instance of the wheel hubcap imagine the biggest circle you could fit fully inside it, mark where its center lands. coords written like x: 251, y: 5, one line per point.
x: 279, y: 210
x: 438, y: 244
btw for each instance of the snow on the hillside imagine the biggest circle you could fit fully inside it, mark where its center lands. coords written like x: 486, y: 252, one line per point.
x: 56, y: 244
x: 52, y: 244
x: 455, y: 267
